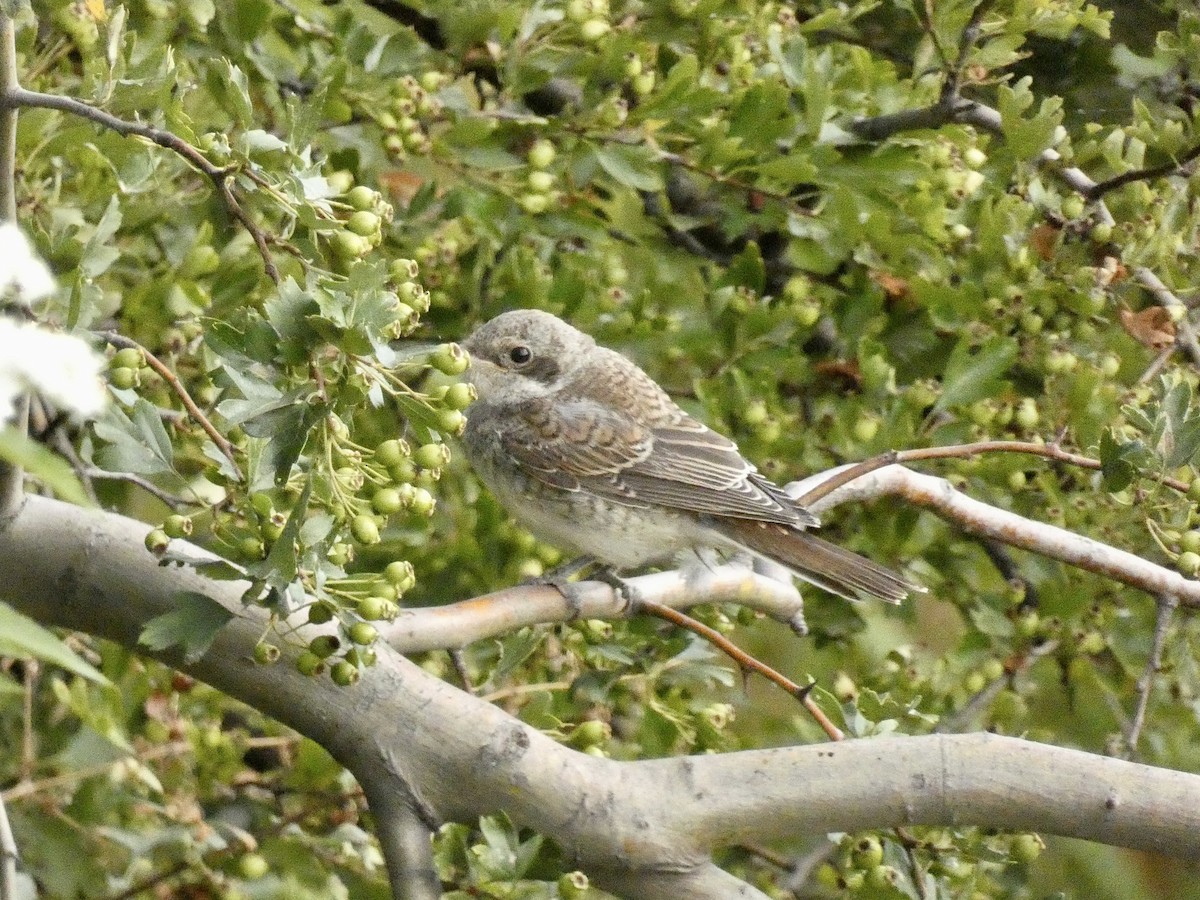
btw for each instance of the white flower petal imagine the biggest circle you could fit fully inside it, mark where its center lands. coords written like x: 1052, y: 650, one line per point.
x: 60, y: 367
x: 23, y: 275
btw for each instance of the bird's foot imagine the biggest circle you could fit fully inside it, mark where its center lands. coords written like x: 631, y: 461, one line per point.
x: 629, y: 596
x: 559, y: 579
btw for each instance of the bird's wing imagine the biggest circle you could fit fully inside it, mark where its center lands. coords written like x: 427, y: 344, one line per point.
x: 679, y: 463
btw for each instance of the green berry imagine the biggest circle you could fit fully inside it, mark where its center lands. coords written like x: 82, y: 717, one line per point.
x: 450, y: 359
x: 594, y: 29
x: 574, y: 886
x: 460, y: 395
x: 157, y: 542
x: 128, y: 358
x: 362, y: 633
x: 403, y: 270
x: 866, y: 427
x: 392, y: 452
x: 401, y: 574
x: 320, y: 612
x: 387, y: 501
x: 541, y: 181
x: 1026, y: 848
x: 373, y: 609
x: 177, y: 526
x: 250, y: 548
x: 361, y: 197
x: 867, y: 852
x: 422, y: 502
x: 431, y: 456
x: 308, y: 663
x: 365, y: 529
x: 534, y: 204
x: 324, y: 645
x: 253, y: 866
x: 344, y: 673
x: 541, y: 154
x: 265, y: 654
x: 1188, y: 563
x: 451, y: 421
x: 124, y: 378
x: 364, y: 223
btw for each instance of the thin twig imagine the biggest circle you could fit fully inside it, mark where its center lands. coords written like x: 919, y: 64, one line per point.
x: 1179, y: 167
x: 172, y: 500
x: 965, y: 716
x: 744, y: 660
x: 966, y: 43
x: 1162, y: 622
x: 226, y: 448
x: 219, y: 175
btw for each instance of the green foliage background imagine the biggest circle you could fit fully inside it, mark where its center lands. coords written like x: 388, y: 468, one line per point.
x: 684, y: 180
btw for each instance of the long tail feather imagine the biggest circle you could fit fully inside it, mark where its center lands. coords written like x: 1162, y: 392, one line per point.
x: 819, y: 562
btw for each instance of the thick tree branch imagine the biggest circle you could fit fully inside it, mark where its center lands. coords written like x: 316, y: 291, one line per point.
x: 458, y: 624
x: 643, y: 828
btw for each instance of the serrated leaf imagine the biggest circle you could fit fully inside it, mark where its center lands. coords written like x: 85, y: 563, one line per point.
x: 975, y: 373
x: 192, y: 625
x: 23, y: 638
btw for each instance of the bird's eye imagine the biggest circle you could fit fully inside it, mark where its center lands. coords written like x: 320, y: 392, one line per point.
x: 520, y: 355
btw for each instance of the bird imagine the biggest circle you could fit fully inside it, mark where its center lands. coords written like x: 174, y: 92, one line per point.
x: 587, y: 452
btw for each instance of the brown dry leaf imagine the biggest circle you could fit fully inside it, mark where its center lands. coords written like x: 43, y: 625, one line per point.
x: 401, y: 186
x: 840, y: 370
x: 1151, y: 327
x: 1043, y: 239
x: 895, y: 287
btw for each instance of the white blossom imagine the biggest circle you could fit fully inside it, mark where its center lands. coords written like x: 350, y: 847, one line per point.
x: 23, y: 275
x: 60, y: 367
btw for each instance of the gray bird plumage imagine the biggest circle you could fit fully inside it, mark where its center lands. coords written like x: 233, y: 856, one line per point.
x: 589, y: 453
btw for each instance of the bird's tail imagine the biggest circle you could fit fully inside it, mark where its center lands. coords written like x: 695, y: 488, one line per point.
x: 826, y: 565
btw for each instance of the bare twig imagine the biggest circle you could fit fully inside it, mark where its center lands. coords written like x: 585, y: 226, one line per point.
x: 1167, y: 604
x: 745, y: 661
x: 965, y: 716
x: 172, y: 500
x: 966, y: 43
x: 18, y: 97
x: 1182, y: 166
x: 226, y: 448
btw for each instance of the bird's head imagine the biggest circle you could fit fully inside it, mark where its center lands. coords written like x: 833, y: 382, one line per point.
x: 523, y: 354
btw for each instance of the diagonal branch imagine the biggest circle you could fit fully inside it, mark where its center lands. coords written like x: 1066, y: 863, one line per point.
x: 226, y: 448
x: 1162, y: 622
x: 16, y: 97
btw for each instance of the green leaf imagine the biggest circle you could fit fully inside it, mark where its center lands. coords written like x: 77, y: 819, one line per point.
x: 42, y: 463
x: 192, y: 625
x: 975, y: 373
x: 635, y: 167
x: 1117, y: 469
x: 23, y: 638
